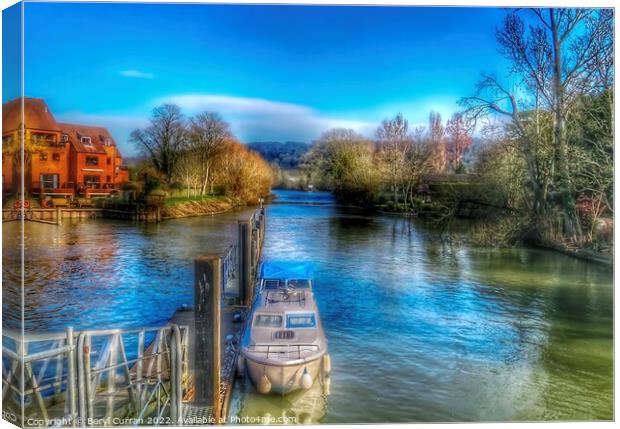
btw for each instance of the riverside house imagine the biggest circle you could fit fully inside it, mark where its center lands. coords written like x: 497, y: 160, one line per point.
x: 62, y: 160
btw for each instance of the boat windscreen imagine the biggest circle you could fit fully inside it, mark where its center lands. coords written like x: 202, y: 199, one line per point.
x: 298, y: 283
x: 268, y: 321
x: 300, y: 321
x: 286, y: 270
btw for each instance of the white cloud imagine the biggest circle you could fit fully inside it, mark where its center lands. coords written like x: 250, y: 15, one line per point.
x: 257, y: 119
x: 136, y: 74
x: 254, y: 119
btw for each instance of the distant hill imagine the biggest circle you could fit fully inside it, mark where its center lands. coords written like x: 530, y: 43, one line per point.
x: 287, y: 155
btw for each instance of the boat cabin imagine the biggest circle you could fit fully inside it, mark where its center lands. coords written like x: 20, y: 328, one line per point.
x: 285, y: 275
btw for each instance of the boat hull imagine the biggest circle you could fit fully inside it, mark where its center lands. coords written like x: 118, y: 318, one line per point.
x: 283, y: 379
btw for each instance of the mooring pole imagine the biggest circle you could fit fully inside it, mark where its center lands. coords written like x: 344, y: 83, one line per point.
x: 245, y: 262
x: 207, y: 294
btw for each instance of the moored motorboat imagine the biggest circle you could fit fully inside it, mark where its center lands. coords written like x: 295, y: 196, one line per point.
x: 283, y: 347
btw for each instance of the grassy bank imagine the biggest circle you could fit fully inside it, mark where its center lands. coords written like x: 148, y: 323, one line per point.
x: 178, y: 206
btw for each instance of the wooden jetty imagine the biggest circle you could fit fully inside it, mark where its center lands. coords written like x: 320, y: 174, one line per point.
x: 57, y: 215
x: 179, y: 374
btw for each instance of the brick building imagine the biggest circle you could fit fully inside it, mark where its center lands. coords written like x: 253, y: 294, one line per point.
x: 61, y: 159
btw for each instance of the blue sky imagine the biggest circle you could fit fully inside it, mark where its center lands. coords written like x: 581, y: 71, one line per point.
x: 273, y: 72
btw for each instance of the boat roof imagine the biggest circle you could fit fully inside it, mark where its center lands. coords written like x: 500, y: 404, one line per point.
x: 286, y: 270
x: 281, y: 301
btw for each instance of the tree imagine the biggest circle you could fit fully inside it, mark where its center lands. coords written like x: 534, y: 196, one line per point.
x: 207, y: 136
x: 591, y: 147
x: 164, y: 139
x: 347, y: 160
x: 437, y: 142
x: 458, y: 140
x: 242, y: 174
x: 561, y: 55
x: 418, y: 161
x: 188, y: 171
x: 393, y: 144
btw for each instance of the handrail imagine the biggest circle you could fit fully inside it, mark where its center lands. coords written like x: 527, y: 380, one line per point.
x: 299, y: 348
x: 89, y: 367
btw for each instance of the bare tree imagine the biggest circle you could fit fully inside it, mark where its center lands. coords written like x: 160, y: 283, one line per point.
x: 458, y: 139
x: 565, y: 54
x: 207, y: 136
x: 436, y: 140
x: 393, y: 144
x: 188, y: 172
x: 163, y: 139
x: 418, y: 161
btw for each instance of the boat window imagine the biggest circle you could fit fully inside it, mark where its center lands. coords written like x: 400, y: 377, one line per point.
x: 268, y: 321
x: 300, y: 321
x: 299, y: 283
x: 272, y: 284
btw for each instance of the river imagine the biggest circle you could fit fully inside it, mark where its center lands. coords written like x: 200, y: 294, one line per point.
x: 421, y: 327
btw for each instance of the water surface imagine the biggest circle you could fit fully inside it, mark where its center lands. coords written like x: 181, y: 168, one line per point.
x: 427, y: 329
x: 421, y: 328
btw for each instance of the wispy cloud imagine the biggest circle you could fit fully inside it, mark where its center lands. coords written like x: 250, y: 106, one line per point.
x: 257, y: 119
x: 254, y: 119
x: 137, y: 74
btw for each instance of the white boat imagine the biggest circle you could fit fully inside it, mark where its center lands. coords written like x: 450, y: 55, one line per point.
x: 283, y: 347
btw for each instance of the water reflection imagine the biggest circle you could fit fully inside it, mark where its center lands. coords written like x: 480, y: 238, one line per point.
x: 104, y: 274
x: 300, y: 407
x: 422, y: 326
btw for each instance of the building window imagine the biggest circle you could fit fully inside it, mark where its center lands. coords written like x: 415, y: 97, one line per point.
x: 42, y: 156
x: 56, y: 156
x: 86, y: 141
x: 109, y: 161
x: 49, y: 181
x: 109, y: 179
x: 92, y: 181
x: 92, y: 160
x: 65, y: 138
x: 108, y: 142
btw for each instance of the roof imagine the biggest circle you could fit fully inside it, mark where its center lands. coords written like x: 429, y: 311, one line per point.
x: 97, y: 137
x: 286, y: 270
x: 37, y: 115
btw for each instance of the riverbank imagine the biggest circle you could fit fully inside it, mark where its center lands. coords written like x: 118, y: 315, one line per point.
x: 583, y: 253
x: 180, y: 208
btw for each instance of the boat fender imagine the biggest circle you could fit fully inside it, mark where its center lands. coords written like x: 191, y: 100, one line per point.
x: 327, y: 364
x: 306, y: 380
x: 240, y: 366
x: 327, y: 381
x: 264, y: 386
x: 305, y: 418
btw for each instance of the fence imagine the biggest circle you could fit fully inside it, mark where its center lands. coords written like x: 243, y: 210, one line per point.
x: 95, y: 377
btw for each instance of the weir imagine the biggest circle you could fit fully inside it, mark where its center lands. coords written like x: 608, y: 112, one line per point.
x: 178, y: 374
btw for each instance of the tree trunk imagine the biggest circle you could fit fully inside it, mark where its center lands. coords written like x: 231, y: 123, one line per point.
x: 572, y: 227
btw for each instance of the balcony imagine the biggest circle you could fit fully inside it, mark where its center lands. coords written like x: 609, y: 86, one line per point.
x: 95, y: 189
x: 47, y: 188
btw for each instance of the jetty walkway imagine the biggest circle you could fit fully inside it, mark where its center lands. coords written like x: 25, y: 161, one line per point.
x: 178, y: 374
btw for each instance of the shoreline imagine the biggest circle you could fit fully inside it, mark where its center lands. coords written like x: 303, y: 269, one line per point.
x: 193, y: 208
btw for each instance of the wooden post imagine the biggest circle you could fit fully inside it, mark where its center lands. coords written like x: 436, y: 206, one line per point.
x: 207, y: 294
x: 245, y: 263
